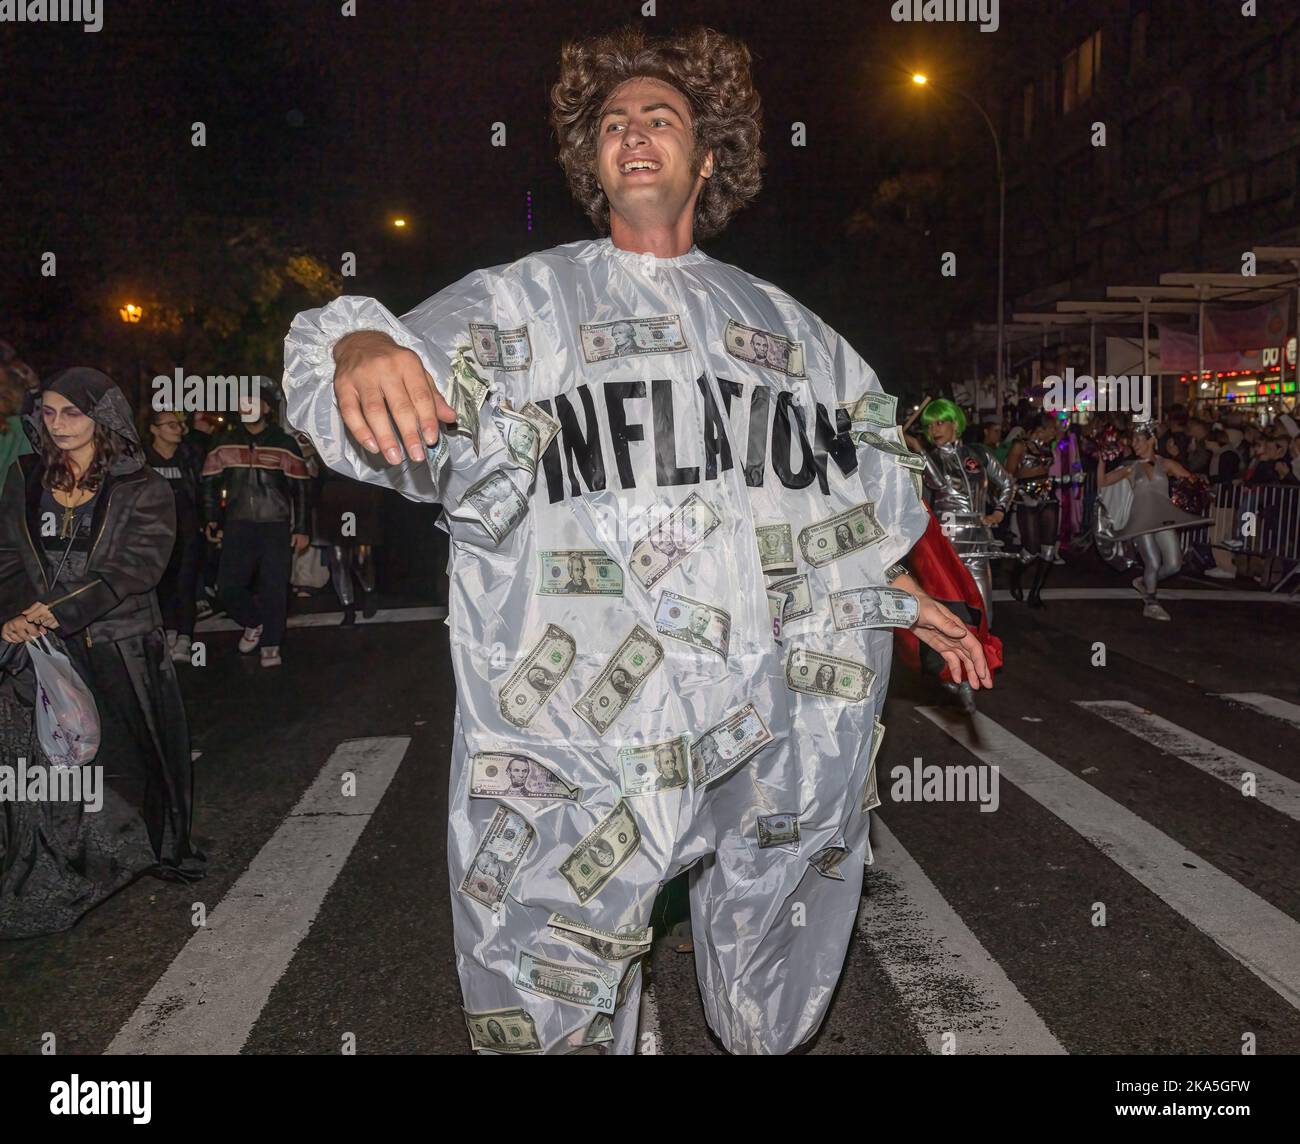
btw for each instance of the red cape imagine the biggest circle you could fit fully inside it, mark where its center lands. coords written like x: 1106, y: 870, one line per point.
x: 935, y: 565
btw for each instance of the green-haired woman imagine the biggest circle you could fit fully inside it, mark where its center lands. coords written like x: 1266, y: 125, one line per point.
x: 970, y: 491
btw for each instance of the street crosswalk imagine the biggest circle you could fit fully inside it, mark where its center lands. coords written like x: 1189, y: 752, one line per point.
x: 958, y: 993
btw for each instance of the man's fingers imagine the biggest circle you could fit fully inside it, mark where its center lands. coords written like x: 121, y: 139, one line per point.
x: 953, y: 662
x: 398, y: 388
x: 424, y: 399
x: 353, y: 417
x: 374, y: 413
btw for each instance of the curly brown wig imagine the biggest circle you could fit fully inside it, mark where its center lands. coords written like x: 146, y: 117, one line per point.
x: 709, y: 68
x: 58, y: 473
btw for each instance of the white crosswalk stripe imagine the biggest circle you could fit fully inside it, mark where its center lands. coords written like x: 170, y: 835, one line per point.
x: 949, y: 981
x: 1267, y: 705
x: 1272, y: 789
x: 1256, y: 933
x: 208, y: 999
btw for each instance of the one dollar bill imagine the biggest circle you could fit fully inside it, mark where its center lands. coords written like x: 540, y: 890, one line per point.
x: 602, y: 853
x: 534, y: 681
x: 816, y: 673
x: 836, y: 536
x: 775, y: 548
x: 637, y: 656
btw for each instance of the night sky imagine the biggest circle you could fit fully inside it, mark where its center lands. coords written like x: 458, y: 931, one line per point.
x: 321, y: 128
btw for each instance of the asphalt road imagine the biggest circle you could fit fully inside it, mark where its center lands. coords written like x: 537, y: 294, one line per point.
x: 978, y: 931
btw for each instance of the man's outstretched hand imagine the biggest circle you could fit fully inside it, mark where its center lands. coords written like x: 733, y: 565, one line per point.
x: 937, y: 627
x: 375, y: 379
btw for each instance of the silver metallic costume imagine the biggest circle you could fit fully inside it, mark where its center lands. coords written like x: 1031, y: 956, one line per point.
x: 644, y: 445
x: 967, y: 483
x: 1038, y: 518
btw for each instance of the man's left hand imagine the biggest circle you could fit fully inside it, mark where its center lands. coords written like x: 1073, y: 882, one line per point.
x: 299, y: 541
x: 938, y: 628
x: 994, y: 518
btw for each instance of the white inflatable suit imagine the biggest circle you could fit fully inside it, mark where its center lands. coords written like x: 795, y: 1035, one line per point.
x: 626, y: 707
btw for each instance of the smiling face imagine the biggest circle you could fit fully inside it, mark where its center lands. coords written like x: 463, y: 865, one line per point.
x: 645, y: 155
x: 67, y: 425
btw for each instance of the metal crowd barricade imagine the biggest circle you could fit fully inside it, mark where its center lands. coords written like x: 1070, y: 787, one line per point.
x: 1271, y: 529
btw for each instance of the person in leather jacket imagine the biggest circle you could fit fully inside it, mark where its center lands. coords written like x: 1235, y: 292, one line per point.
x: 85, y: 535
x: 256, y: 501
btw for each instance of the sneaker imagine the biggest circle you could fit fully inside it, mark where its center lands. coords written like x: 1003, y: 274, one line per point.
x: 271, y: 655
x: 202, y: 608
x: 1234, y: 545
x: 181, y: 650
x: 1154, y: 611
x: 250, y: 639
x: 1217, y: 573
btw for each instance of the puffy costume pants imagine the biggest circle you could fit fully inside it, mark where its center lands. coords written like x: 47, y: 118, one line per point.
x: 772, y: 923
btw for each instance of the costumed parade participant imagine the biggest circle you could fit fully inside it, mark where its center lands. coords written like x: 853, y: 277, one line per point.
x: 86, y: 532
x: 645, y: 442
x: 934, y: 565
x: 1038, y: 508
x: 970, y: 492
x: 1153, y: 519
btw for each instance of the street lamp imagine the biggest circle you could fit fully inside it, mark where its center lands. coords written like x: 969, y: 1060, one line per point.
x: 920, y: 79
x: 399, y: 223
x: 130, y: 312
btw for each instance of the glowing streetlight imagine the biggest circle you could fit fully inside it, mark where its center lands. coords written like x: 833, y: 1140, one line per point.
x: 920, y: 79
x: 399, y: 223
x: 130, y: 312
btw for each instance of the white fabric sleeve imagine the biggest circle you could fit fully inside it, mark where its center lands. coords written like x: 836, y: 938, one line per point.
x: 313, y: 408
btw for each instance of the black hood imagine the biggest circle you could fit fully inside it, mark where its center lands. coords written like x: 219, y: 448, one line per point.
x: 98, y: 397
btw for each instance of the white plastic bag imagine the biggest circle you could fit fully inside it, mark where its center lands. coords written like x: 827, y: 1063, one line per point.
x: 310, y: 569
x: 67, y: 722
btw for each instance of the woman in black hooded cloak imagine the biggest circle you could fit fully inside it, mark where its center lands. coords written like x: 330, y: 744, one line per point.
x: 84, y: 538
